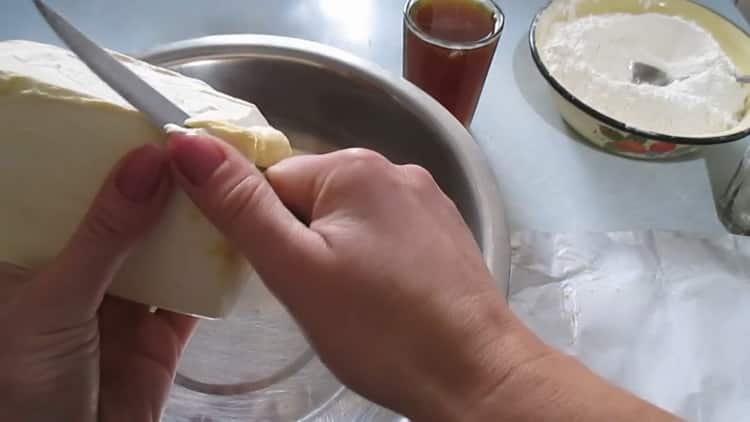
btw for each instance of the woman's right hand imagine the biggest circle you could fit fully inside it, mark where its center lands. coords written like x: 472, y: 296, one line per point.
x: 386, y: 280
x: 383, y: 276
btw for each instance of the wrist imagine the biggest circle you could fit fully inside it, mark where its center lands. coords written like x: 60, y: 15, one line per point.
x: 519, y: 355
x: 492, y: 355
x: 544, y: 384
x: 519, y: 378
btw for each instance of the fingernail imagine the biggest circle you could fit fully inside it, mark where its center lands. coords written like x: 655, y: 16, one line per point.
x: 140, y: 176
x: 196, y: 157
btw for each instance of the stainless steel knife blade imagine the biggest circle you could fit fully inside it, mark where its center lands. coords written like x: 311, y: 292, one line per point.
x: 125, y: 82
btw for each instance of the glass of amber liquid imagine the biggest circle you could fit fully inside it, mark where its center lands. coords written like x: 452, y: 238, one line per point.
x: 448, y: 49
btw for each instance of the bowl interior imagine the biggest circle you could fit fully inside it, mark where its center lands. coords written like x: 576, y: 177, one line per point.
x: 733, y: 40
x: 322, y: 110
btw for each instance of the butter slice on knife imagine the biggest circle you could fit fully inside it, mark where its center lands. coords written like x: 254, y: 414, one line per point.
x: 62, y: 130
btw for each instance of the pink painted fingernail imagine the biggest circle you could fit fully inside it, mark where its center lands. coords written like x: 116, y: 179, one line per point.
x: 140, y: 176
x: 196, y: 157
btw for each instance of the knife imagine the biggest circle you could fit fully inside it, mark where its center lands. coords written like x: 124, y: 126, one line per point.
x: 124, y: 81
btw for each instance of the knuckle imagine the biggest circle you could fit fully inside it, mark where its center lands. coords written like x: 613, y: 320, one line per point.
x: 365, y: 161
x: 9, y: 271
x: 107, y: 222
x: 360, y: 168
x: 419, y: 177
x: 452, y: 207
x: 364, y: 155
x: 242, y: 198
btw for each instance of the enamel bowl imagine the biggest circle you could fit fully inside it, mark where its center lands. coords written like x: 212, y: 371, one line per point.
x: 617, y: 136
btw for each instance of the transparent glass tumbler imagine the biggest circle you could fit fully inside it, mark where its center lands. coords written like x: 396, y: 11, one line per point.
x: 448, y: 49
x: 734, y: 204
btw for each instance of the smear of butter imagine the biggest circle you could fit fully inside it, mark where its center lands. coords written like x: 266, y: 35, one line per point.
x: 263, y: 145
x: 63, y: 131
x: 231, y: 260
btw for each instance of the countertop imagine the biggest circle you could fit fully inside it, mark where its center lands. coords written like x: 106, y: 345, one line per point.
x: 550, y: 180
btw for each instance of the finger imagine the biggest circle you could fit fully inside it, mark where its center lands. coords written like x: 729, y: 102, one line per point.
x: 182, y: 325
x: 10, y: 271
x: 118, y: 311
x: 236, y: 197
x: 299, y: 181
x: 163, y: 334
x: 126, y: 207
x: 12, y: 277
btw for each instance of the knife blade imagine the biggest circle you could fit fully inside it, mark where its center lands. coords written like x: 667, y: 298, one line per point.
x: 145, y: 98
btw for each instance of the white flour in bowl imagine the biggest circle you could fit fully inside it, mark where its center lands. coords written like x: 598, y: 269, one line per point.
x: 591, y: 57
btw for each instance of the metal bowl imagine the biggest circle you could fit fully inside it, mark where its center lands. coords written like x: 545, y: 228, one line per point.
x: 257, y: 365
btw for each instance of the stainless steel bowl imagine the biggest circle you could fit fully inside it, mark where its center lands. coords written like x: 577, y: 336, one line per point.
x: 257, y: 365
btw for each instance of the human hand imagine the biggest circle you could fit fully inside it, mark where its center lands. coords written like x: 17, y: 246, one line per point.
x: 384, y: 276
x: 70, y: 354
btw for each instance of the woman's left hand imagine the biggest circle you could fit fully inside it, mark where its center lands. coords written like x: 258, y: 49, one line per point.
x: 67, y: 353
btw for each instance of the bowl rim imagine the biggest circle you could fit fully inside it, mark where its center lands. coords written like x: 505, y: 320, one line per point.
x: 618, y: 124
x: 496, y: 33
x: 482, y: 182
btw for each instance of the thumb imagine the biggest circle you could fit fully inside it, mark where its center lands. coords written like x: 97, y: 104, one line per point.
x: 235, y: 196
x: 127, y: 205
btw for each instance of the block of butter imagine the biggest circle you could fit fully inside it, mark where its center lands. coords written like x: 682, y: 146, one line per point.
x: 62, y: 130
